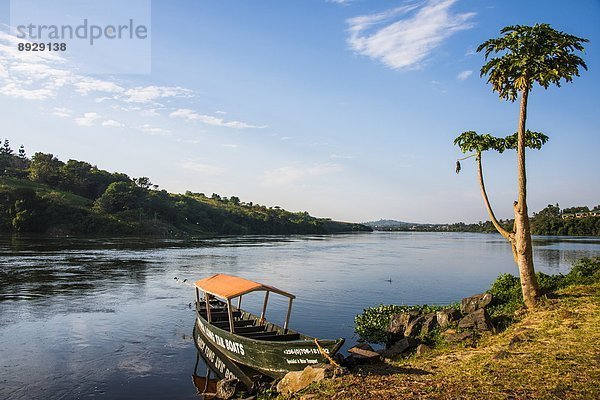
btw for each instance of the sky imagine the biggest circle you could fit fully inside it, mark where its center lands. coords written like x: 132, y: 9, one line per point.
x: 343, y: 108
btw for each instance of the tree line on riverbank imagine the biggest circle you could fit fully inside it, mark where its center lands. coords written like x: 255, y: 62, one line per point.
x: 550, y: 221
x: 43, y: 194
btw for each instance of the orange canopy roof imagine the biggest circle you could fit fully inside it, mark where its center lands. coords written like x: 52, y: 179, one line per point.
x: 228, y: 287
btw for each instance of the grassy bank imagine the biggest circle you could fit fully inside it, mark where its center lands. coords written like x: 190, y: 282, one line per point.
x: 552, y: 352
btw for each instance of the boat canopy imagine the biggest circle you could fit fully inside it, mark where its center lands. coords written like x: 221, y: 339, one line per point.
x: 228, y: 287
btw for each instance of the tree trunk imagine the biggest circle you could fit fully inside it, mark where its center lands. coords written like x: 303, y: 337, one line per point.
x: 523, y: 248
x: 510, y: 236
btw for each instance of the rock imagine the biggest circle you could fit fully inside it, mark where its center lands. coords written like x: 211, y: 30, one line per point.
x: 423, y: 349
x: 456, y: 337
x: 502, y: 354
x: 400, y: 347
x: 226, y: 388
x: 478, y: 320
x: 414, y: 327
x: 295, y: 381
x: 364, y: 351
x: 473, y: 303
x: 447, y: 317
x: 399, y: 322
x: 429, y: 323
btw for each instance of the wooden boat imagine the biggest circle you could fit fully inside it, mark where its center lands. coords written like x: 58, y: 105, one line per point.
x: 218, y: 366
x: 251, y: 340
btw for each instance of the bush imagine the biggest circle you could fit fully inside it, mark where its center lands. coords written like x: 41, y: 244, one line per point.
x: 508, y: 296
x: 584, y: 272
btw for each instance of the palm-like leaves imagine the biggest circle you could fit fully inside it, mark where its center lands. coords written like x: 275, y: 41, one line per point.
x: 471, y: 141
x: 530, y: 54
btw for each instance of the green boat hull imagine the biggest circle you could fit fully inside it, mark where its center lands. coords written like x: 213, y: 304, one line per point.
x: 272, y: 358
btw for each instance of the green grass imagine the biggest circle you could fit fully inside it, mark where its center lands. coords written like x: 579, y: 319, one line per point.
x: 552, y: 353
x: 46, y: 192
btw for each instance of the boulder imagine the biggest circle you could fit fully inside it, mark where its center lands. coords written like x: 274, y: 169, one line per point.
x: 414, y: 327
x: 454, y: 336
x: 473, y: 303
x: 399, y: 322
x: 364, y: 351
x: 295, y: 381
x: 447, y: 317
x: 423, y: 349
x: 429, y: 324
x: 478, y: 320
x: 399, y: 347
x: 226, y: 388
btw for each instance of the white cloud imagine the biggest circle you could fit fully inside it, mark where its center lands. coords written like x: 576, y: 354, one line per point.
x: 464, y: 75
x: 147, y: 94
x: 86, y: 85
x: 231, y: 145
x: 191, y: 115
x: 62, y: 112
x: 403, y: 37
x: 13, y: 89
x: 341, y: 2
x: 288, y: 175
x: 205, y: 169
x: 112, y: 123
x: 88, y: 119
x: 152, y: 130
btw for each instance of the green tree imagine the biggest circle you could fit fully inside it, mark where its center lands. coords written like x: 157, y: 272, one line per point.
x: 121, y: 196
x: 526, y: 55
x: 45, y: 168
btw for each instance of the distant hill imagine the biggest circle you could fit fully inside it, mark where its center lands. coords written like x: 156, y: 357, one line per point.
x: 389, y: 223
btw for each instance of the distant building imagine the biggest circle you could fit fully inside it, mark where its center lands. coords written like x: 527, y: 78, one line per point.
x: 583, y: 214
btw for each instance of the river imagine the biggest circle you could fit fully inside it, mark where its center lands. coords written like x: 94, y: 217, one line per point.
x: 105, y: 318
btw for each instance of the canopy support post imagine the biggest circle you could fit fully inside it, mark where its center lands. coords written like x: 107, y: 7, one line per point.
x: 207, y: 300
x: 231, y: 325
x: 239, y: 302
x: 264, y: 310
x: 287, y: 317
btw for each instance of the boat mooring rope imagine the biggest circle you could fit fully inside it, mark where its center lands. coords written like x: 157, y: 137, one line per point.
x: 327, y: 356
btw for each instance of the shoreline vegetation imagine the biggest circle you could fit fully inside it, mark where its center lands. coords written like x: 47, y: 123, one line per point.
x: 548, y: 352
x: 551, y: 221
x: 48, y: 196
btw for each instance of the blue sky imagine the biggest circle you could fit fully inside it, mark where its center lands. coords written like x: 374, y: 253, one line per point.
x: 345, y: 109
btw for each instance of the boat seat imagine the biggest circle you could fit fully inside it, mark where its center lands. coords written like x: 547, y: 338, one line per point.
x: 261, y: 335
x: 224, y: 324
x: 284, y: 337
x: 250, y: 329
x: 219, y: 315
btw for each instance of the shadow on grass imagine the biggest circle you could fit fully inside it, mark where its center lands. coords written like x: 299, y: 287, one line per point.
x: 384, y: 369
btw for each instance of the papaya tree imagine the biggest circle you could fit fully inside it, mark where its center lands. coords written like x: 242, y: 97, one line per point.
x: 516, y: 61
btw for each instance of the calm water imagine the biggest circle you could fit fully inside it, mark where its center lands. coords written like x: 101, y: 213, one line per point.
x: 104, y: 318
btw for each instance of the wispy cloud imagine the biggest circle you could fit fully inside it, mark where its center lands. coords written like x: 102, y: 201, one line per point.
x: 464, y: 75
x: 341, y: 2
x: 62, y: 112
x: 149, y: 94
x: 40, y: 75
x: 287, y: 175
x: 205, y: 169
x: 192, y: 115
x: 403, y: 37
x: 87, y: 119
x: 113, y: 124
x: 153, y: 130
